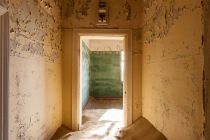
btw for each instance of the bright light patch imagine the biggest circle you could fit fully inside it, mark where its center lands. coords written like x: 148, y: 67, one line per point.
x: 115, y: 128
x: 113, y: 115
x: 102, y: 130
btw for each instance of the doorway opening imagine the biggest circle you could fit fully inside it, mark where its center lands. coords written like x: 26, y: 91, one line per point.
x: 124, y: 74
x: 101, y: 84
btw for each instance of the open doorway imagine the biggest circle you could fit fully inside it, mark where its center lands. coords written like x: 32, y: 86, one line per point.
x: 125, y: 35
x: 101, y: 85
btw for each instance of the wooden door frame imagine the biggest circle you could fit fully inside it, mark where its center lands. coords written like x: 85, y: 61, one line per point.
x: 127, y: 87
x: 4, y: 73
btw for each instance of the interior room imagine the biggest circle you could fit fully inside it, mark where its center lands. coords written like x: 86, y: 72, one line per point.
x: 164, y: 94
x: 101, y: 85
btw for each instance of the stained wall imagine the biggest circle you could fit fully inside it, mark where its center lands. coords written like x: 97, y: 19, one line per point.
x: 122, y: 15
x: 173, y: 67
x: 35, y: 100
x: 106, y: 74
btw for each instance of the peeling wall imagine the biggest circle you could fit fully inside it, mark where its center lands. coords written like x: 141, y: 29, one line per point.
x: 35, y: 68
x: 173, y: 67
x: 106, y: 74
x: 122, y: 15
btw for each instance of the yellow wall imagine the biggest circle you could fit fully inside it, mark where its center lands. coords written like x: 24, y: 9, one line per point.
x: 122, y: 15
x: 207, y: 67
x: 67, y: 76
x: 173, y: 67
x: 168, y: 63
x: 35, y: 100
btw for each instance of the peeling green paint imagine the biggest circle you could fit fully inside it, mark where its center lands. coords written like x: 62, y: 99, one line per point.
x: 105, y: 74
x: 101, y: 74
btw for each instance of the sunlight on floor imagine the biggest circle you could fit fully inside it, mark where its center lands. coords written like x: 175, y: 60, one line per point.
x: 113, y: 115
x: 103, y: 124
x: 102, y: 130
x: 115, y: 118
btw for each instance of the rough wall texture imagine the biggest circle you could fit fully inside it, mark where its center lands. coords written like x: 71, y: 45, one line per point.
x: 123, y: 15
x: 86, y: 63
x: 173, y: 67
x: 35, y: 68
x: 106, y: 74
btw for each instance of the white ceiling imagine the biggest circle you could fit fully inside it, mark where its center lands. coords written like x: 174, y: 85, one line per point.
x: 102, y: 37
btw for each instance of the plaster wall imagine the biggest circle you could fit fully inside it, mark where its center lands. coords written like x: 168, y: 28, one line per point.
x: 35, y: 100
x: 86, y: 70
x: 105, y: 74
x: 122, y: 15
x: 207, y: 67
x: 173, y: 67
x: 67, y: 39
x: 106, y: 45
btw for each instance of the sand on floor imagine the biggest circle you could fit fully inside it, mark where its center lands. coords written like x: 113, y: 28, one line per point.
x: 102, y: 119
x: 99, y: 124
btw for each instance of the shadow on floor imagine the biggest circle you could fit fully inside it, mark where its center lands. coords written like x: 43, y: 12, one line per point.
x: 61, y: 132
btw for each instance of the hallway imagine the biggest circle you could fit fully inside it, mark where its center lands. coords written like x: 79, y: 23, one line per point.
x: 103, y: 120
x: 167, y: 56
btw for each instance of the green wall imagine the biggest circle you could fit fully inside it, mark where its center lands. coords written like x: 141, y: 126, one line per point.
x: 106, y: 74
x: 101, y: 74
x: 85, y: 74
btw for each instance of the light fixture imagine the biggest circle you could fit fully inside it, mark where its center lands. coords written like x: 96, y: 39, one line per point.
x: 102, y: 16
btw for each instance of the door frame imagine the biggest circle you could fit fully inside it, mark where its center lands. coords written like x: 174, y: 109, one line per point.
x: 127, y: 86
x: 4, y: 73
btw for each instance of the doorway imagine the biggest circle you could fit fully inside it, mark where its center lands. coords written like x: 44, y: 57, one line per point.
x: 101, y: 85
x: 76, y: 83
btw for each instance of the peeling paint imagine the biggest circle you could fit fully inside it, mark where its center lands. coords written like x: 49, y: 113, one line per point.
x: 35, y: 47
x: 121, y: 14
x: 158, y: 26
x: 127, y: 11
x: 173, y: 67
x: 27, y: 19
x: 70, y: 8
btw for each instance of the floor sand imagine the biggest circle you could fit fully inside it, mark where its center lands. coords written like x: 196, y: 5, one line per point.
x: 99, y: 124
x: 102, y: 119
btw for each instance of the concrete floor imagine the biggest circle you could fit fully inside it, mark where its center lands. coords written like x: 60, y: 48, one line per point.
x: 103, y: 120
